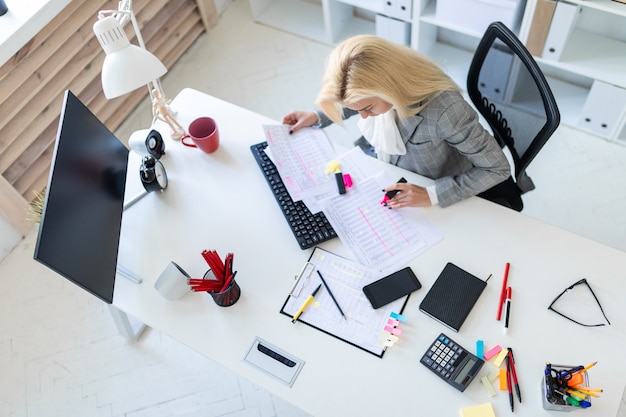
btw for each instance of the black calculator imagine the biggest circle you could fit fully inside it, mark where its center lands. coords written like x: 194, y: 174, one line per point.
x: 452, y: 362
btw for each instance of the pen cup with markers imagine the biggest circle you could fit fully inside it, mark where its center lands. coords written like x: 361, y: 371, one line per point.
x: 556, y: 399
x: 225, y: 298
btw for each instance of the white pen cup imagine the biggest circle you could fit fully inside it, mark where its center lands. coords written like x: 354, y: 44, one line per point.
x: 172, y: 283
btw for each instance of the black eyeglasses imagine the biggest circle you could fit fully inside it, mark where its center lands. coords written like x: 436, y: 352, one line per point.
x: 581, y: 282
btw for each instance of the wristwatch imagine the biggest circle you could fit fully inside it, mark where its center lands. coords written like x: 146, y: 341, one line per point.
x: 152, y: 173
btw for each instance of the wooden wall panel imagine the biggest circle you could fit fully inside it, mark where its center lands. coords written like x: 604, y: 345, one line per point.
x: 66, y: 55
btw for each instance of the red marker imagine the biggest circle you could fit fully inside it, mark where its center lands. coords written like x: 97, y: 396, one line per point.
x: 503, y: 291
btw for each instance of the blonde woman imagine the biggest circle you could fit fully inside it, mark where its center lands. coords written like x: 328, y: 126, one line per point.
x: 413, y: 115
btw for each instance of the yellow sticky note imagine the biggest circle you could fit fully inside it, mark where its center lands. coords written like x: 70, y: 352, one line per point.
x: 488, y: 386
x: 494, y: 375
x: 483, y: 410
x: 332, y: 167
x: 500, y: 358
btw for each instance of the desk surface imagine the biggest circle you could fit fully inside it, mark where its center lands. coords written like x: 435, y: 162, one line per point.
x: 221, y: 201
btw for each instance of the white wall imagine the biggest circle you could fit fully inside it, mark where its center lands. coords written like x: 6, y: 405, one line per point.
x: 9, y: 237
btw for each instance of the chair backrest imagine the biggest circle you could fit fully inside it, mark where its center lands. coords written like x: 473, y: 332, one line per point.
x: 507, y: 87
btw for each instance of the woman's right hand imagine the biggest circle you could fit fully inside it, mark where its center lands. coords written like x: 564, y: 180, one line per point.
x: 299, y: 119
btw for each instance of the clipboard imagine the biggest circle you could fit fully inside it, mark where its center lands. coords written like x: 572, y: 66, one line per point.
x: 364, y: 325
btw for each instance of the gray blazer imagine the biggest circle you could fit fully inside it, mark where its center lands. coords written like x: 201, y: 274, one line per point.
x: 446, y: 142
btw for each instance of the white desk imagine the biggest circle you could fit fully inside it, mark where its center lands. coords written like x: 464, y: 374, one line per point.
x: 221, y: 201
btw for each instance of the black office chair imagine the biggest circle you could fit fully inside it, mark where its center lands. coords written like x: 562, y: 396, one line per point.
x: 509, y: 90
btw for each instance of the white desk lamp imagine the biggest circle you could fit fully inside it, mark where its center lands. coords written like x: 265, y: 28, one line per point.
x: 127, y: 66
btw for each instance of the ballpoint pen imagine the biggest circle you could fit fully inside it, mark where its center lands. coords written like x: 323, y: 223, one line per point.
x: 514, y: 374
x: 331, y: 294
x: 508, y: 381
x: 306, y: 304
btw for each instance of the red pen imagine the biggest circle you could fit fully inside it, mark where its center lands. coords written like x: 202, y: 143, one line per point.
x: 508, y: 380
x: 514, y: 374
x: 503, y: 291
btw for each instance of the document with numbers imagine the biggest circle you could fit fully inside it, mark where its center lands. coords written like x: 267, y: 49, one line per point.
x: 301, y: 159
x: 378, y: 237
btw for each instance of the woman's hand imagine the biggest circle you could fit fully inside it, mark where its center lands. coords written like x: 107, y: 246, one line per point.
x: 409, y: 195
x: 299, y: 119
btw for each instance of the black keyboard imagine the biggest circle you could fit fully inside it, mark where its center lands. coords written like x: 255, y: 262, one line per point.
x: 308, y: 228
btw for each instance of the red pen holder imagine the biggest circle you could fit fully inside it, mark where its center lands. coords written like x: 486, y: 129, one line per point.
x: 229, y: 296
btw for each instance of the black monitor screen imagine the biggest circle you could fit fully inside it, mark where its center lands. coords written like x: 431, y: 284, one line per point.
x: 82, y: 213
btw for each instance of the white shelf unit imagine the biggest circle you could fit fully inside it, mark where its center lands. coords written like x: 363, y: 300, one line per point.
x: 595, y: 50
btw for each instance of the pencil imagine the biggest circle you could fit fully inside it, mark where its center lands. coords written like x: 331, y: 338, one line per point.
x: 306, y: 303
x: 331, y: 295
x: 586, y: 368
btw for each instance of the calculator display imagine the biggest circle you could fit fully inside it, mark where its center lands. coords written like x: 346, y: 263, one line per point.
x: 465, y: 371
x: 451, y: 362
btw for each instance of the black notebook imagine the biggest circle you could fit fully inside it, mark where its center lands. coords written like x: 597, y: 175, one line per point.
x: 452, y: 296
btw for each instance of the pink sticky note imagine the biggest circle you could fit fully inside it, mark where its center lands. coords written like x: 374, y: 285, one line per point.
x: 393, y: 330
x: 492, y: 352
x: 393, y: 322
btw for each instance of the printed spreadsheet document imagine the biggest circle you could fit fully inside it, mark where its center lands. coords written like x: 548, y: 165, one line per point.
x: 378, y: 237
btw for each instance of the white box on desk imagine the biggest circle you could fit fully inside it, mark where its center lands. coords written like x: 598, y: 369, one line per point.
x: 477, y: 15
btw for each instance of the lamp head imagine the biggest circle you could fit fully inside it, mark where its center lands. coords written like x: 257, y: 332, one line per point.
x: 126, y: 66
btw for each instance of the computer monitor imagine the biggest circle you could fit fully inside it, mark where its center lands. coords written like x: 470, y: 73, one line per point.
x: 82, y: 213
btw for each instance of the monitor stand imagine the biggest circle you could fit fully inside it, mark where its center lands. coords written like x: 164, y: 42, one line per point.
x: 120, y: 269
x: 131, y: 329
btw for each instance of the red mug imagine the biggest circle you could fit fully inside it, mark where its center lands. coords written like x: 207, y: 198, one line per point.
x: 203, y: 134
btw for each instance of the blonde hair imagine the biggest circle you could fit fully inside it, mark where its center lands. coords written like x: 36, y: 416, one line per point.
x: 367, y: 66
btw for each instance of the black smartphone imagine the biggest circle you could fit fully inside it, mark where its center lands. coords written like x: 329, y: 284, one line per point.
x: 391, y: 287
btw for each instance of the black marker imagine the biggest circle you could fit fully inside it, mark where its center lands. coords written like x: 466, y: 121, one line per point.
x: 391, y: 194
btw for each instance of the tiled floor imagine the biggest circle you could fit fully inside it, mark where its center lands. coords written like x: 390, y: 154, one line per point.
x: 60, y: 354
